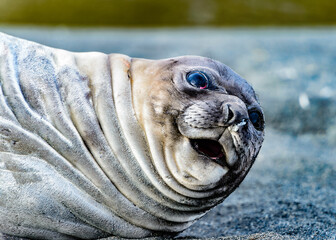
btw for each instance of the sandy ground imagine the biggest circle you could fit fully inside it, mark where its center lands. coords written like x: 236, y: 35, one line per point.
x: 290, y: 192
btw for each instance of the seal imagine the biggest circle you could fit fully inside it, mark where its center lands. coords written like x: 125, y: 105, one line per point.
x: 95, y: 145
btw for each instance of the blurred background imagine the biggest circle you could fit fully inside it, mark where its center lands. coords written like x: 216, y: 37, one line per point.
x: 149, y: 13
x: 285, y: 49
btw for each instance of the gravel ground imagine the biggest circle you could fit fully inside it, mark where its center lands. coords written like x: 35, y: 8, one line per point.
x: 290, y: 192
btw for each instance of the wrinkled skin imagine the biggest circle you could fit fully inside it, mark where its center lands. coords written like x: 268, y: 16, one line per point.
x: 95, y: 145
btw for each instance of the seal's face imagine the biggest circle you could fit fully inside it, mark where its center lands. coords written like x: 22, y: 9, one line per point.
x: 203, y: 122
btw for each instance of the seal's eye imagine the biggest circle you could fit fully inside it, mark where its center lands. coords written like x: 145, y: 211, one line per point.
x: 198, y: 79
x: 257, y: 119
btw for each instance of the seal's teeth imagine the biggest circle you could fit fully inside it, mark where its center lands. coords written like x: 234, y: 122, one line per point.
x: 237, y: 126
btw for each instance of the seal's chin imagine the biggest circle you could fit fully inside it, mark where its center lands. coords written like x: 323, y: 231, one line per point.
x: 211, y: 149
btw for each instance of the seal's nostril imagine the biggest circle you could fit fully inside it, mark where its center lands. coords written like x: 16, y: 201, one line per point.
x: 230, y: 115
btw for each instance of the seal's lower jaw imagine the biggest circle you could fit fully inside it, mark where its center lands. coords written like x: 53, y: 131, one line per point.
x: 192, y: 168
x: 211, y: 149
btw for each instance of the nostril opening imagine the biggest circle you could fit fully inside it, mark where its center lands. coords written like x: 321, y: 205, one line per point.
x: 230, y: 116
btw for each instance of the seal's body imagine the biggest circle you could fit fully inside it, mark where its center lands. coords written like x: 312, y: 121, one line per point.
x: 95, y: 145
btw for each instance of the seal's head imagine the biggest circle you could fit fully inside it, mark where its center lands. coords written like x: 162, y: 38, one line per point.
x: 203, y: 122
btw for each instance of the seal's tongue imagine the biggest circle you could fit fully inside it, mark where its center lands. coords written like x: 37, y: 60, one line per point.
x: 209, y: 148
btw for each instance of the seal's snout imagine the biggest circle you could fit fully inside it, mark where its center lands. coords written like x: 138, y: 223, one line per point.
x: 233, y: 113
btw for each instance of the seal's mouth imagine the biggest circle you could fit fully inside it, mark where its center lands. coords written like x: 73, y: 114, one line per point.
x: 211, y: 149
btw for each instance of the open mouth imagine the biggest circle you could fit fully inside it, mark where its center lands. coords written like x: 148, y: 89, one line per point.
x: 211, y: 149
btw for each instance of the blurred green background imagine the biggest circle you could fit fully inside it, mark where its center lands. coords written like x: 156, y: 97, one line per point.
x: 152, y: 13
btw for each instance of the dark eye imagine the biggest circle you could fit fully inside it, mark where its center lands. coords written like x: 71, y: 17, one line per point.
x: 198, y: 79
x: 257, y: 119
